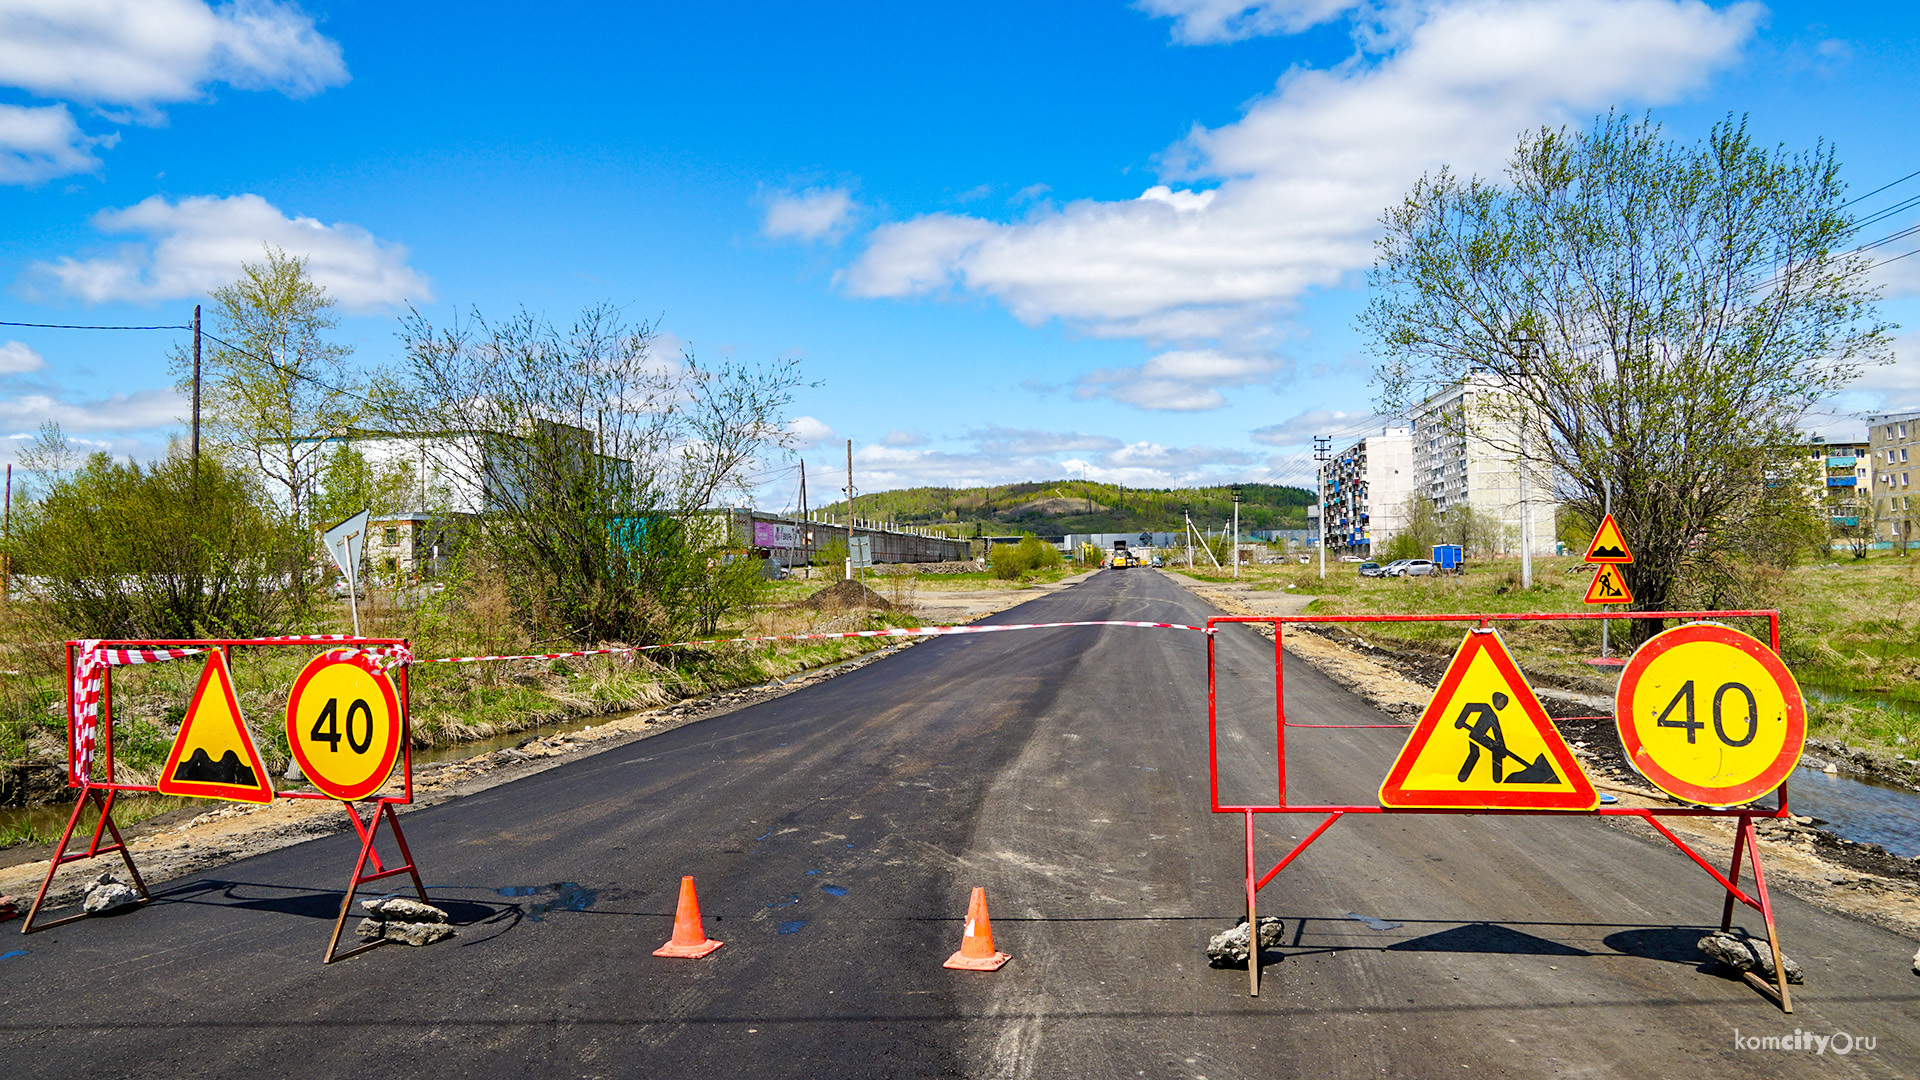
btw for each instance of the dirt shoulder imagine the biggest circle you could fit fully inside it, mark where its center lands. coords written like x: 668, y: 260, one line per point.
x: 199, y: 838
x: 1859, y: 879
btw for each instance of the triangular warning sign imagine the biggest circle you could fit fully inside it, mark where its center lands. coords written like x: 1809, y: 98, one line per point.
x: 1485, y: 741
x: 1609, y: 587
x: 213, y: 757
x: 1609, y: 546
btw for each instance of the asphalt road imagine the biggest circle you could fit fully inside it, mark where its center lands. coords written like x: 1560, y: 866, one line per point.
x: 835, y: 834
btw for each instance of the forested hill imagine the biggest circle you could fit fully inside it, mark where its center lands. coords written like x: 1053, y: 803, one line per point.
x: 1062, y: 506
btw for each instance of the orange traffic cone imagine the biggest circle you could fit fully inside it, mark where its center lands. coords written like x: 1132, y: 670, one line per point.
x: 689, y: 939
x: 976, y: 943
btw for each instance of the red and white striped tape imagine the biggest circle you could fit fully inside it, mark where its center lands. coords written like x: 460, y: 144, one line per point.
x: 916, y: 631
x: 89, y: 670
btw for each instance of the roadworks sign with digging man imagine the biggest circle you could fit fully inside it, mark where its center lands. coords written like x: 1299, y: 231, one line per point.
x: 1485, y: 741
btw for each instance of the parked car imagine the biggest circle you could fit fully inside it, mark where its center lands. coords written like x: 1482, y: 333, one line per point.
x: 1351, y: 558
x: 1383, y: 571
x: 1367, y: 568
x: 1157, y: 562
x: 1413, y: 568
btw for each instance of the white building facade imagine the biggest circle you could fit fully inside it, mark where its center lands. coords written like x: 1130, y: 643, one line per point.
x: 1463, y: 455
x: 1365, y: 489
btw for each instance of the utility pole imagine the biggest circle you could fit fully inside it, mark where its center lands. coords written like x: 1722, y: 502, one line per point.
x: 1322, y: 450
x: 1236, y: 530
x: 1188, y: 518
x: 6, y: 543
x: 849, y: 509
x: 1606, y: 508
x: 196, y: 397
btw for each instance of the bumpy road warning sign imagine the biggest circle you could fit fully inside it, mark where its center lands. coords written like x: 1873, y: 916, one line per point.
x: 1485, y: 741
x: 1608, y: 546
x: 1710, y: 715
x: 343, y: 724
x: 1609, y: 587
x: 213, y: 757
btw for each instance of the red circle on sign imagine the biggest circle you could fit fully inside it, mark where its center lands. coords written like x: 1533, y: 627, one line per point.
x: 1794, y: 711
x: 316, y: 775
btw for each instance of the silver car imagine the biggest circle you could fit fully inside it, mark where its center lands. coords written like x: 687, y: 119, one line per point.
x: 1411, y: 568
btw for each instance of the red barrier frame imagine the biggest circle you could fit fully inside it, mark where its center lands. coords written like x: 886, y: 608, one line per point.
x: 104, y: 791
x: 1746, y: 841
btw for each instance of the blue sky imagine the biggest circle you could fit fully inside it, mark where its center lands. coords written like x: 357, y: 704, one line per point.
x: 1009, y: 241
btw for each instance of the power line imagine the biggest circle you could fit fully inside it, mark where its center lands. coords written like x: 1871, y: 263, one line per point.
x: 65, y: 326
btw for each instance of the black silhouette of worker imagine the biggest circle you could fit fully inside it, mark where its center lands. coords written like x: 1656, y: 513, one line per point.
x: 1482, y: 725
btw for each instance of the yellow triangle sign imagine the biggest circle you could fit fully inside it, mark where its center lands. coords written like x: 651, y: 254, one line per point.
x: 1609, y: 546
x: 1609, y: 587
x: 213, y: 757
x: 1485, y: 742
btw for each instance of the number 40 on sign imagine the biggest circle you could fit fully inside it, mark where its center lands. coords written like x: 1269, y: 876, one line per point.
x: 343, y: 724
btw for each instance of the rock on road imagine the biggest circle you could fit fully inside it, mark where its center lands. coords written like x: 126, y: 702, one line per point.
x: 835, y: 834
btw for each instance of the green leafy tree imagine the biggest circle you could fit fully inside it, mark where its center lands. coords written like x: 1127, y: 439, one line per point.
x: 273, y: 387
x: 119, y: 550
x: 599, y: 460
x: 1644, y: 311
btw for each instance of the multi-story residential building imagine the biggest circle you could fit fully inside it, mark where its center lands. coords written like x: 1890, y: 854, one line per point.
x: 1462, y: 456
x: 1844, y: 469
x: 1366, y: 487
x: 1893, y: 447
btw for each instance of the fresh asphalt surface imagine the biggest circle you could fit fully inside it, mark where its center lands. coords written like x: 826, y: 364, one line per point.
x: 835, y: 834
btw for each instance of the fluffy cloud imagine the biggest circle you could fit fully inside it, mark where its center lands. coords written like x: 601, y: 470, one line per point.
x: 1182, y: 380
x: 141, y: 53
x: 139, y: 411
x: 1300, y: 429
x: 810, y: 215
x: 807, y: 431
x: 196, y: 245
x: 40, y: 143
x: 1286, y: 199
x: 1206, y: 22
x: 19, y: 359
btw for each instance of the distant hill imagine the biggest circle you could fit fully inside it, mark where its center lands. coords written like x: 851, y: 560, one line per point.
x: 1054, y: 507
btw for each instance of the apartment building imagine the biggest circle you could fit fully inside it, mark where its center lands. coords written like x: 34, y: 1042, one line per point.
x: 1893, y: 450
x: 1460, y: 438
x: 1366, y: 487
x: 1845, y: 478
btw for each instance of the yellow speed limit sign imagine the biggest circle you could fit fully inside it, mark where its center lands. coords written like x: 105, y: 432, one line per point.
x: 1710, y: 715
x: 343, y: 724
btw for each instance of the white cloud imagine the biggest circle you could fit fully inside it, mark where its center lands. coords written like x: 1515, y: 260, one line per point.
x: 1300, y: 429
x: 807, y: 431
x: 139, y: 411
x: 897, y: 437
x: 1030, y: 442
x: 1182, y: 380
x: 1206, y: 22
x: 810, y: 215
x: 17, y: 358
x: 41, y: 142
x: 1289, y: 196
x: 196, y: 245
x: 141, y: 53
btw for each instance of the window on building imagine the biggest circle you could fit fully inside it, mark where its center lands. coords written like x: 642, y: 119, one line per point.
x: 390, y: 535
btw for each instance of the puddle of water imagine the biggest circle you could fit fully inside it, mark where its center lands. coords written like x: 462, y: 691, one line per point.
x: 1859, y: 697
x: 1373, y: 923
x: 567, y: 896
x: 834, y: 890
x: 127, y: 809
x: 793, y: 927
x: 1858, y: 810
x: 461, y: 751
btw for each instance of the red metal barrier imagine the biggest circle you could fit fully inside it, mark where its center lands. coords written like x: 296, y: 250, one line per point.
x: 91, y: 770
x: 1746, y: 841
